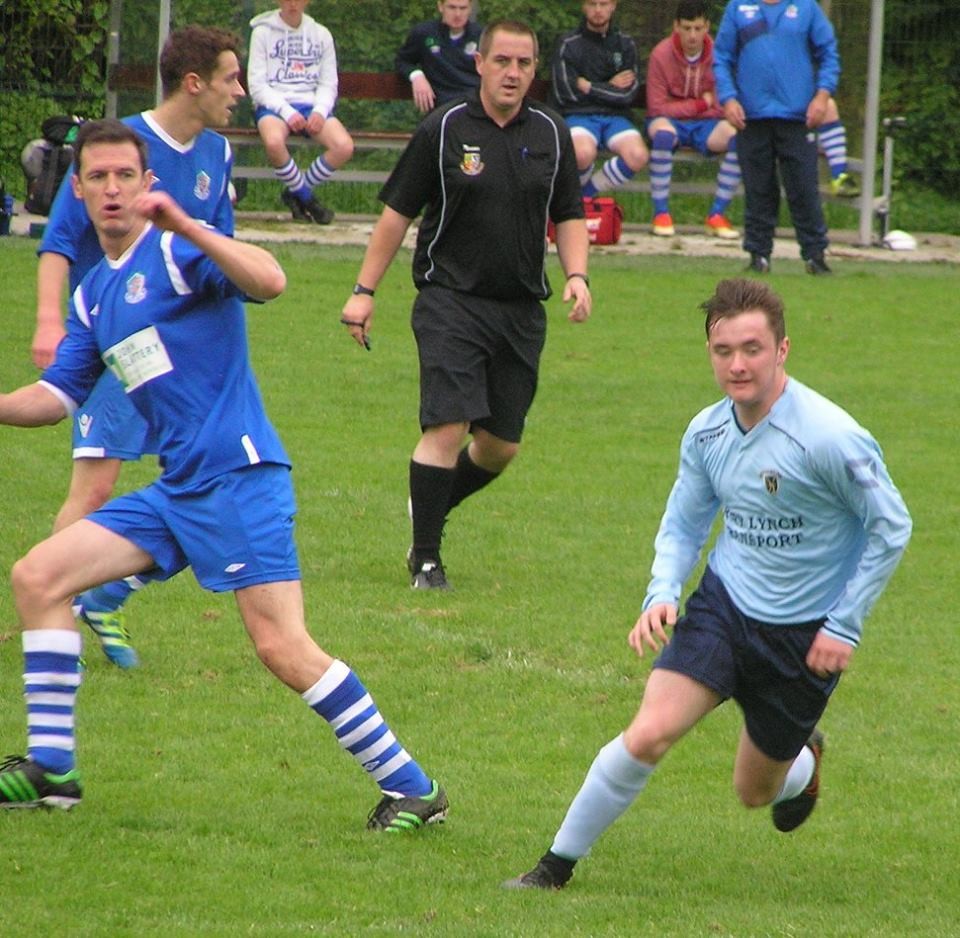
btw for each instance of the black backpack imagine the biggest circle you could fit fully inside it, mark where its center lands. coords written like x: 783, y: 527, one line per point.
x: 45, y: 162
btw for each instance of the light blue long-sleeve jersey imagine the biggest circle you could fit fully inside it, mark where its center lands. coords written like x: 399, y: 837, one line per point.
x: 813, y: 526
x: 774, y: 57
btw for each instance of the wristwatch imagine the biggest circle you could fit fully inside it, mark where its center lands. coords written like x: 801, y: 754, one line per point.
x: 360, y: 290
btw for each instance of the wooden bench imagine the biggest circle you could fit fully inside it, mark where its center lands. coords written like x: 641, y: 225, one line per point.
x: 389, y: 86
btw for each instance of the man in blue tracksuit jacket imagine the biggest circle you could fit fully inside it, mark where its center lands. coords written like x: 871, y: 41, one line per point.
x: 776, y: 66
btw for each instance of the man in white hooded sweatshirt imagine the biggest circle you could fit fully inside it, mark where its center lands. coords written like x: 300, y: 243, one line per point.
x: 292, y: 79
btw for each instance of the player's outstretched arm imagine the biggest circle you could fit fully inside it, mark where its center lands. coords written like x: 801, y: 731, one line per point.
x: 251, y: 268
x: 33, y: 405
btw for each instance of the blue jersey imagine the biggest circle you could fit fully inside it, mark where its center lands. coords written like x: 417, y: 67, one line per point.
x: 196, y: 174
x: 172, y: 328
x: 774, y: 57
x: 812, y: 525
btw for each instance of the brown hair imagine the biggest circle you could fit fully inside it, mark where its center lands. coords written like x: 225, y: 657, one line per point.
x: 107, y: 130
x: 740, y: 295
x: 194, y: 49
x: 506, y: 26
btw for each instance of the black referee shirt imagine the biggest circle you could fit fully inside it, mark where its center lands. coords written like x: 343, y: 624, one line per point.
x: 486, y: 192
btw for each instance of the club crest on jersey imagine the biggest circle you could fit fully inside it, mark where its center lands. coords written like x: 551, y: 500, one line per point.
x: 471, y: 164
x: 617, y: 60
x: 201, y: 188
x: 791, y: 12
x: 771, y: 480
x: 136, y: 289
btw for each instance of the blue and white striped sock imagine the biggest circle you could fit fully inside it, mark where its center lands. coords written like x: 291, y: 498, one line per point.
x: 319, y: 172
x: 342, y: 700
x: 290, y: 175
x: 51, y: 676
x: 612, y: 174
x: 728, y: 179
x: 832, y: 140
x: 612, y: 783
x: 111, y: 596
x: 661, y: 169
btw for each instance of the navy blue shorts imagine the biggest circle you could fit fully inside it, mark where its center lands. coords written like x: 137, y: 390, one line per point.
x: 761, y: 666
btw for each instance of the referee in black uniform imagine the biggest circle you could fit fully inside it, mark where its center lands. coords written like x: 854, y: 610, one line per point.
x: 488, y: 173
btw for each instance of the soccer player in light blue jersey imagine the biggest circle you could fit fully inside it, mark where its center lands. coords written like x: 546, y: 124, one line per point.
x: 200, y: 73
x: 813, y: 528
x: 164, y: 312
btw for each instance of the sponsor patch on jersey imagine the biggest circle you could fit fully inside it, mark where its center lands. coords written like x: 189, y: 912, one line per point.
x: 471, y: 164
x: 136, y: 288
x: 749, y: 10
x: 771, y: 480
x: 139, y: 358
x: 84, y: 423
x: 201, y: 188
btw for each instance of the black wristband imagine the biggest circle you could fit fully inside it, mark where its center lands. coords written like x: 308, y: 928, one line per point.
x: 583, y: 277
x: 360, y: 289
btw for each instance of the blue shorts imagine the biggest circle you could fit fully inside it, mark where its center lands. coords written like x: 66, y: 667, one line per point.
x: 692, y: 134
x: 108, y: 426
x: 602, y: 127
x: 236, y: 532
x: 305, y: 110
x: 761, y: 666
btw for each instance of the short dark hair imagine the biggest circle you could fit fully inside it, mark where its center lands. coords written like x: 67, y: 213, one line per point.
x: 739, y: 295
x: 506, y: 26
x: 691, y: 10
x: 194, y: 49
x: 107, y: 130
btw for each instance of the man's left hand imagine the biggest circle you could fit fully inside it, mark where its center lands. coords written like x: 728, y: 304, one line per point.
x: 578, y: 291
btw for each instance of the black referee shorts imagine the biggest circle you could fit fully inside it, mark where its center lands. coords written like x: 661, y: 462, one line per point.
x: 761, y: 666
x: 479, y: 359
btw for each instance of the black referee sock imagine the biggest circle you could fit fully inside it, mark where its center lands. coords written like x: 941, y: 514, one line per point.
x: 429, y: 495
x: 468, y: 478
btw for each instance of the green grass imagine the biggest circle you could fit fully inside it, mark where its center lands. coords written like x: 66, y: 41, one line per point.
x: 217, y: 804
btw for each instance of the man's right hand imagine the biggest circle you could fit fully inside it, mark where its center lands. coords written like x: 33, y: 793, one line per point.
x: 733, y: 112
x: 423, y: 96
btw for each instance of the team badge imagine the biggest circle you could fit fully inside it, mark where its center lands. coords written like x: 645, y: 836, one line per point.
x: 84, y: 422
x: 791, y: 12
x: 470, y: 49
x: 471, y: 164
x: 136, y: 289
x: 617, y: 60
x: 771, y: 480
x: 201, y: 188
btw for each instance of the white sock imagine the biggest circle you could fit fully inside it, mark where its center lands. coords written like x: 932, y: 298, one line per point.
x: 612, y: 783
x: 798, y: 776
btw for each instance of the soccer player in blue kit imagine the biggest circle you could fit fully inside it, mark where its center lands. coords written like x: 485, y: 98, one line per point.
x: 164, y: 311
x: 200, y: 74
x: 813, y: 528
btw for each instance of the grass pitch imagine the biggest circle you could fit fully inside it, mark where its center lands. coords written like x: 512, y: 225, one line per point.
x: 218, y: 804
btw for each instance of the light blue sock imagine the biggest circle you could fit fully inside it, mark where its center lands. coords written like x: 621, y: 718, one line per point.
x: 612, y: 783
x: 51, y: 676
x: 342, y: 700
